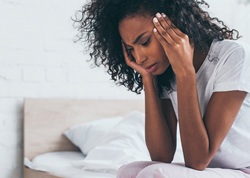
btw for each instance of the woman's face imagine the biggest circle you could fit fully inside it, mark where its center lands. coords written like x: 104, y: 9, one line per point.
x: 137, y: 34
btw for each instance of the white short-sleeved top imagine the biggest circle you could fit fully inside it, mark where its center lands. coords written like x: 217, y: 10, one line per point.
x: 226, y: 68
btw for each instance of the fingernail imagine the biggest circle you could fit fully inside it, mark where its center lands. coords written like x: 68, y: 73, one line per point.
x: 155, y: 30
x: 158, y: 15
x: 163, y: 15
x: 155, y: 19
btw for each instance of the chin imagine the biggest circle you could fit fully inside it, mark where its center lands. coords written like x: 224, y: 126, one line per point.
x: 159, y: 72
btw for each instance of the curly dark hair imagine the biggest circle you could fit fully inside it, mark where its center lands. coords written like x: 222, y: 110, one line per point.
x: 97, y: 23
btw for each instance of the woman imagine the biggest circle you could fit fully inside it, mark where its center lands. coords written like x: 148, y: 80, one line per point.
x: 193, y: 72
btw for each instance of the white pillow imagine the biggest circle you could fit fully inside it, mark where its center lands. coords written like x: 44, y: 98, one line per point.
x: 123, y: 144
x: 53, y: 161
x: 88, y: 135
x: 111, y: 143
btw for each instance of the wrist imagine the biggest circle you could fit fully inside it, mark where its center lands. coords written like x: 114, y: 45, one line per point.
x: 149, y: 81
x: 184, y: 75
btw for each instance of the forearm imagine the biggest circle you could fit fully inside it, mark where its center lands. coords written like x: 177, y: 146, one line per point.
x: 194, y: 137
x: 158, y: 137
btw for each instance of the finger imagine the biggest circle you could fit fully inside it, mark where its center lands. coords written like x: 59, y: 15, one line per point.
x: 127, y: 58
x: 162, y: 32
x: 163, y: 42
x: 173, y: 27
x: 165, y: 22
x: 125, y: 53
x: 169, y: 26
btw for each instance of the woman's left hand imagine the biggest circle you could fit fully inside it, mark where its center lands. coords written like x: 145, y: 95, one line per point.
x: 175, y: 44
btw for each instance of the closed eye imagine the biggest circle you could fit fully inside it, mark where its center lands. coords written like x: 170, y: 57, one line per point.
x: 146, y: 43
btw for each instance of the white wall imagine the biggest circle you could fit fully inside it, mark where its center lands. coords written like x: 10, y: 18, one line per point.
x: 235, y: 14
x: 39, y: 59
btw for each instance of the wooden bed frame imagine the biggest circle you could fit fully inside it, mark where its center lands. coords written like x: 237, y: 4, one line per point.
x: 45, y: 120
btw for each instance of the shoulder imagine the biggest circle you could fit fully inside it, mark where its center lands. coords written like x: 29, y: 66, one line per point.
x: 230, y: 52
x: 230, y: 46
x: 232, y: 65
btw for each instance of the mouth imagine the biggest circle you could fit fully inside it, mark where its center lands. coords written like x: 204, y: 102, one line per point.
x: 151, y: 68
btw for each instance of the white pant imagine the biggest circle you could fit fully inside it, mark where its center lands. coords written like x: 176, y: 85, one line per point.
x: 151, y: 169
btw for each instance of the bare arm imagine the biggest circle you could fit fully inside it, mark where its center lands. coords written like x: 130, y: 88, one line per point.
x: 160, y: 125
x: 200, y: 137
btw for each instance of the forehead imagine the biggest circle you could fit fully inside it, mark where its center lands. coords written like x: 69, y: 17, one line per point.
x: 131, y: 27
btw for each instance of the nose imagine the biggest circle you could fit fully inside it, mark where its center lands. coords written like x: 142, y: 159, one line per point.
x: 140, y: 56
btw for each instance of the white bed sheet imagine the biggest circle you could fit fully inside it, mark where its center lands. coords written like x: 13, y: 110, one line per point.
x: 67, y: 164
x: 62, y: 164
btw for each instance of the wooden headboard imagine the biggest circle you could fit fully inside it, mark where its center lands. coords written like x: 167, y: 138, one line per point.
x: 45, y: 120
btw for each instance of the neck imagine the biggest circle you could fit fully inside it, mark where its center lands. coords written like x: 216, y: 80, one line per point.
x: 199, y: 57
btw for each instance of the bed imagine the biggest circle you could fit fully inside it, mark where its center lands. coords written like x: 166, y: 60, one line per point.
x: 46, y: 122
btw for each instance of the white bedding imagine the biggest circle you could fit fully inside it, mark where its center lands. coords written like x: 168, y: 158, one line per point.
x: 62, y: 164
x: 103, y: 150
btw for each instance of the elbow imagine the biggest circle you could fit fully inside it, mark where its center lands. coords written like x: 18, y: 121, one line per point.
x: 162, y: 155
x: 197, y: 162
x: 199, y: 166
x: 163, y: 159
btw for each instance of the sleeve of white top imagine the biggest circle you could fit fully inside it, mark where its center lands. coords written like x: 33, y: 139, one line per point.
x: 234, y: 73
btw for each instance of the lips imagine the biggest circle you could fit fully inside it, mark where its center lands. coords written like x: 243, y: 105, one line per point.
x: 151, y: 68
